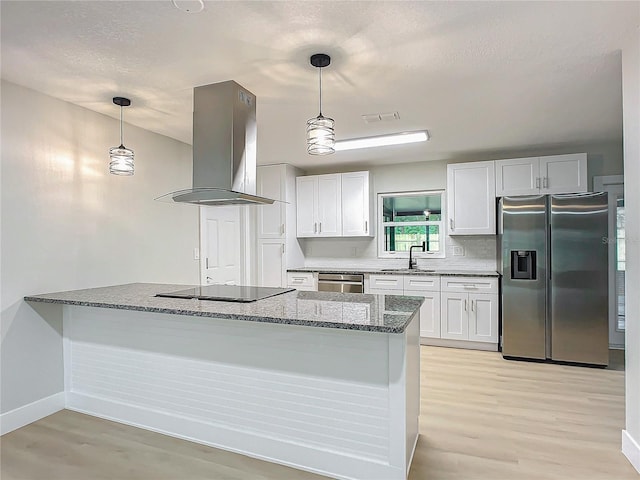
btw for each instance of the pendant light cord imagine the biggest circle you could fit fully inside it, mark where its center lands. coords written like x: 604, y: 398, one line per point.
x: 320, y: 69
x: 121, y: 142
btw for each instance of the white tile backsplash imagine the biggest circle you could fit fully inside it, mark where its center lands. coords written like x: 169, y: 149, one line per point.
x: 479, y: 253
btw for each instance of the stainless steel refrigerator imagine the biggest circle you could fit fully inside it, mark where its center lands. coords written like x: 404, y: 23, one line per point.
x: 553, y: 255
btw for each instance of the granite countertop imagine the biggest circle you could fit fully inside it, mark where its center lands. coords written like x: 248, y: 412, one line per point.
x: 352, y: 311
x: 398, y: 271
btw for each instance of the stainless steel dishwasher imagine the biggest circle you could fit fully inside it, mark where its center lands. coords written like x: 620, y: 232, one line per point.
x: 336, y: 282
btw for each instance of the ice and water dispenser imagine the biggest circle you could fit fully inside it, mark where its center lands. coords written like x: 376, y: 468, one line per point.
x: 523, y: 264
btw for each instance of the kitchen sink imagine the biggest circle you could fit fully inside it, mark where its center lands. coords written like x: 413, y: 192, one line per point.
x: 402, y: 270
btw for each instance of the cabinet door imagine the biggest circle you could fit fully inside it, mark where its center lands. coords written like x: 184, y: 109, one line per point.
x: 329, y: 208
x: 355, y: 204
x: 271, y: 268
x: 483, y: 318
x: 454, y: 316
x: 471, y: 198
x: 271, y: 218
x: 518, y: 176
x: 306, y: 194
x: 564, y: 173
x: 429, y: 312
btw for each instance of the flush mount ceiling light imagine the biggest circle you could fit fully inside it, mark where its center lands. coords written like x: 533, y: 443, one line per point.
x: 382, y: 140
x: 121, y: 157
x: 321, y: 136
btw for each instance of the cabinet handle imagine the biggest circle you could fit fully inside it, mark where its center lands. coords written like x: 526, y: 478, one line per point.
x: 545, y: 182
x: 537, y: 182
x: 366, y: 226
x: 282, y: 229
x: 283, y: 249
x: 206, y: 263
x: 319, y: 227
x: 451, y: 224
x: 465, y: 305
x: 315, y: 227
x: 472, y: 306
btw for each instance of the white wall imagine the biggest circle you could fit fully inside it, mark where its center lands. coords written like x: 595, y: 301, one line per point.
x: 604, y: 158
x: 68, y: 224
x: 631, y: 114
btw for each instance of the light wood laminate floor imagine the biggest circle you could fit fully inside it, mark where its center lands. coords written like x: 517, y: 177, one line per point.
x: 482, y: 418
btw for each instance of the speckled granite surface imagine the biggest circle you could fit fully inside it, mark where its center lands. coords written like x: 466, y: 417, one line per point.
x: 374, y: 313
x: 399, y: 271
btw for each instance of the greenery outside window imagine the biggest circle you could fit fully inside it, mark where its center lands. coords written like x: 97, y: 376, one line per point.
x: 406, y: 219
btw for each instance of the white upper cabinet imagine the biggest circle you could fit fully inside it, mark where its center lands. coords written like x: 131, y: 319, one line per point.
x: 471, y: 204
x: 517, y: 176
x: 564, y: 173
x: 334, y: 205
x: 329, y: 211
x: 356, y: 205
x: 542, y: 175
x: 306, y: 209
x: 271, y: 218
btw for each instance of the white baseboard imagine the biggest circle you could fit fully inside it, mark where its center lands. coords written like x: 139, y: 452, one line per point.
x: 631, y: 450
x: 445, y: 342
x: 21, y: 416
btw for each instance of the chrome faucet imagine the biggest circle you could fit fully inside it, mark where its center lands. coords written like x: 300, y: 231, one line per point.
x: 412, y: 262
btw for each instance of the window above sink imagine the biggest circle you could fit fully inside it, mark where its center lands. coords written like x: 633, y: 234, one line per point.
x: 410, y: 218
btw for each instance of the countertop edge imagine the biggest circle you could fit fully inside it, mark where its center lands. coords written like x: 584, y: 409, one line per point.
x: 225, y: 316
x: 346, y: 271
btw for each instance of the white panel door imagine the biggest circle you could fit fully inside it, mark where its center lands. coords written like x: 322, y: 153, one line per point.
x: 454, y: 316
x: 564, y: 173
x: 271, y: 218
x: 517, y: 176
x: 221, y: 245
x: 483, y: 318
x: 271, y: 265
x: 471, y: 198
x: 429, y: 312
x: 306, y: 198
x: 329, y: 206
x: 355, y: 204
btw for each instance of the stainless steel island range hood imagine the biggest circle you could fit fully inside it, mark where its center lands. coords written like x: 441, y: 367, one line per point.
x: 224, y: 148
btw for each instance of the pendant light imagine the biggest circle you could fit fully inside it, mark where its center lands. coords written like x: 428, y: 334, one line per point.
x: 121, y: 157
x: 321, y: 137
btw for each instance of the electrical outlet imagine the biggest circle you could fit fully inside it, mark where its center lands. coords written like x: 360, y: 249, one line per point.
x: 196, y: 253
x: 458, y: 251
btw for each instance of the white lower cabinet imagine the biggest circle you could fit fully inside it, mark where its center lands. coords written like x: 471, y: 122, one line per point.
x: 303, y: 281
x: 469, y: 309
x: 272, y: 265
x: 483, y: 318
x: 454, y: 319
x: 429, y: 313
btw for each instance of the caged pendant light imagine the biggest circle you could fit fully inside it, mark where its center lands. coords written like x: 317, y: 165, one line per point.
x: 321, y: 136
x: 121, y: 157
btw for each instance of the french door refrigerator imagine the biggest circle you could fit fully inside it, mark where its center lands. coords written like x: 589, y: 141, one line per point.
x: 553, y: 255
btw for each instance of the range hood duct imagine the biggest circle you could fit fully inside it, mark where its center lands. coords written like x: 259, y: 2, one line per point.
x: 224, y: 148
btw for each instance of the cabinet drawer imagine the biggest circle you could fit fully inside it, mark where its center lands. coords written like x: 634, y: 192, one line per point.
x: 470, y: 284
x: 301, y: 280
x: 386, y: 282
x: 427, y: 283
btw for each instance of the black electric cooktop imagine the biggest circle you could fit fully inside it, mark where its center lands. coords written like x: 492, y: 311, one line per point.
x: 227, y: 293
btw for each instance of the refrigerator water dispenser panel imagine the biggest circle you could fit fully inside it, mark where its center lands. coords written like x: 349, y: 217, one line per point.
x: 523, y: 264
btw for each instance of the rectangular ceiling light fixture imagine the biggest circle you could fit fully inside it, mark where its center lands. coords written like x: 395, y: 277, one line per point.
x: 382, y: 140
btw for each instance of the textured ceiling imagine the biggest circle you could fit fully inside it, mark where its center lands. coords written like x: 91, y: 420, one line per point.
x: 481, y: 76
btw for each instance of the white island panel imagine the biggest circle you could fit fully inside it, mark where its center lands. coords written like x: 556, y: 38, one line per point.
x: 343, y: 403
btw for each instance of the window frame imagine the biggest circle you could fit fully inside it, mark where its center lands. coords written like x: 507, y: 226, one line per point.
x: 382, y: 224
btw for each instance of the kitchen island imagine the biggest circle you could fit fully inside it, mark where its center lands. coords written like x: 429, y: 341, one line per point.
x: 324, y: 382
